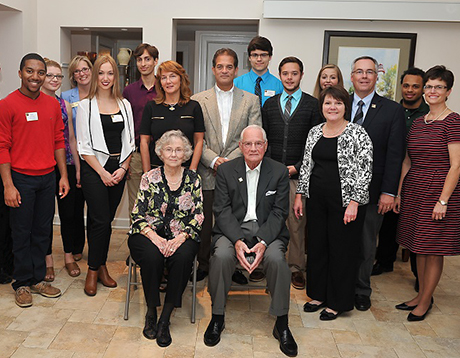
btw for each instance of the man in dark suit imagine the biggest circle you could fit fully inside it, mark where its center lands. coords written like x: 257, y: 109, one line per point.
x: 251, y: 204
x: 384, y: 121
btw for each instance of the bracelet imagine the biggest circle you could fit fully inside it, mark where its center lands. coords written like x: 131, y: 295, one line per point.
x: 123, y: 168
x: 146, y: 231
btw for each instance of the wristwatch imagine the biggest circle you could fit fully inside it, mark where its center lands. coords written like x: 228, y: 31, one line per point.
x: 442, y: 202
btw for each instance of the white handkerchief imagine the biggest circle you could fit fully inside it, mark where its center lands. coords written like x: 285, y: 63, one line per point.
x: 270, y: 192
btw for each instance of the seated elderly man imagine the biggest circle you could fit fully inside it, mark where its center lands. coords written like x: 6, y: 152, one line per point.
x: 251, y: 205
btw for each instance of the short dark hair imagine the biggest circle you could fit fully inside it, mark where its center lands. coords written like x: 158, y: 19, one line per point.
x: 225, y: 51
x: 152, y: 50
x: 290, y: 59
x: 260, y: 43
x: 365, y: 58
x: 31, y: 56
x: 442, y: 73
x: 339, y: 93
x: 413, y: 71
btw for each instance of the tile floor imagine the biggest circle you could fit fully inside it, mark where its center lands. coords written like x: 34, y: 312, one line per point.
x: 75, y: 325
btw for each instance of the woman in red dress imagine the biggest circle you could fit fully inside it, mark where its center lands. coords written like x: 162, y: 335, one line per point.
x: 429, y: 224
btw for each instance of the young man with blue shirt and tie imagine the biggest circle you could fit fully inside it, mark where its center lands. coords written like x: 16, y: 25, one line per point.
x: 259, y: 80
x: 287, y: 118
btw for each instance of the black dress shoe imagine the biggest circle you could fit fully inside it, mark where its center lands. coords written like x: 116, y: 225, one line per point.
x: 414, y: 318
x: 213, y: 332
x: 150, y: 327
x: 257, y: 276
x: 200, y: 275
x: 163, y: 336
x: 362, y: 302
x: 308, y: 307
x: 239, y: 278
x: 287, y: 343
x: 328, y: 316
x: 378, y: 269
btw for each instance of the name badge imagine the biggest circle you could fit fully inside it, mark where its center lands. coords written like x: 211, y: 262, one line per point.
x: 117, y: 118
x: 269, y: 93
x: 74, y: 104
x: 32, y: 116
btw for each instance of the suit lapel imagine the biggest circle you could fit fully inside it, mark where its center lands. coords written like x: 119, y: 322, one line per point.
x: 240, y: 178
x: 212, y: 112
x: 372, y: 111
x: 235, y: 115
x: 264, y: 180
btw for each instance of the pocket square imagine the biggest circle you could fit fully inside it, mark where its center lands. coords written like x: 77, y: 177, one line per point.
x: 270, y: 192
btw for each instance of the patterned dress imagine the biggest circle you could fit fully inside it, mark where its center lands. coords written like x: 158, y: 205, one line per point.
x: 65, y: 119
x: 169, y: 212
x: 428, y: 151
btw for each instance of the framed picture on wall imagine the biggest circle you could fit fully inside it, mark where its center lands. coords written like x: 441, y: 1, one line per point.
x: 395, y: 53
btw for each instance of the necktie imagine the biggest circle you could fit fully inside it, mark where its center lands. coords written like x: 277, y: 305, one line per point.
x: 359, y: 116
x: 257, y: 90
x: 287, y: 108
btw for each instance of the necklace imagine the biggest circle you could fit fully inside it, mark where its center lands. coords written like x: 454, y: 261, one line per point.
x: 433, y: 120
x: 177, y: 182
x: 172, y: 106
x: 336, y: 133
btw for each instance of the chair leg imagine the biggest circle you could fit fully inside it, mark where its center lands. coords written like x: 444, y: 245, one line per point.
x: 128, y: 286
x: 194, y: 291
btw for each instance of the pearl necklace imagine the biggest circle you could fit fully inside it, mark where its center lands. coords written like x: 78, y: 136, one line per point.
x: 336, y: 133
x: 433, y: 120
x: 177, y: 182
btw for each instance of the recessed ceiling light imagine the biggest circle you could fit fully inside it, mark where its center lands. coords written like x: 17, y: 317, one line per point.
x: 124, y: 29
x: 86, y: 28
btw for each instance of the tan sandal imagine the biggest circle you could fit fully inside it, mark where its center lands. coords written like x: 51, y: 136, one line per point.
x: 72, y: 269
x: 49, y: 276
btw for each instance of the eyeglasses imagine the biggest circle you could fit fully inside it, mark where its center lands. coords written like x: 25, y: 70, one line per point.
x: 256, y: 56
x: 169, y: 151
x: 84, y: 70
x: 258, y: 145
x: 436, y: 88
x: 362, y: 72
x: 51, y: 76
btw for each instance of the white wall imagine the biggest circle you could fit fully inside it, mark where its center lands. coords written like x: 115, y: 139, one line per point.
x: 436, y: 41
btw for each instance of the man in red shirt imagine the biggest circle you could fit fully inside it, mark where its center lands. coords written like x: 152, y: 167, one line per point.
x: 31, y: 143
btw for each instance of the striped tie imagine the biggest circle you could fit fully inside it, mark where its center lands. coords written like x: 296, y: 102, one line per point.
x: 257, y: 90
x: 359, y: 116
x: 287, y: 108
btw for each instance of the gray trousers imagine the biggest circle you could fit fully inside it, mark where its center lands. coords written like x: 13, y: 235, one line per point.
x: 372, y: 223
x: 222, y: 265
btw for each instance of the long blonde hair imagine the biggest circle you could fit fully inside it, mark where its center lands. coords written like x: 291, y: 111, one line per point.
x: 116, y: 93
x: 317, y: 90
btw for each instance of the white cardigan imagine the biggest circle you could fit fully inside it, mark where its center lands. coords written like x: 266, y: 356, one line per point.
x: 90, y: 134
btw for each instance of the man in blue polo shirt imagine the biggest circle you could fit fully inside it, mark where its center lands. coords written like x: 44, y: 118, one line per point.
x: 259, y: 80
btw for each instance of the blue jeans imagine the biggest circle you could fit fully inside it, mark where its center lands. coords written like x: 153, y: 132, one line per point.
x: 31, y: 225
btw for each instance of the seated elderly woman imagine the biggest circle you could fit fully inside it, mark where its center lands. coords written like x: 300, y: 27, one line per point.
x: 166, y: 222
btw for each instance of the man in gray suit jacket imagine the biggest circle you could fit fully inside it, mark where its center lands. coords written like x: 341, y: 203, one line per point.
x: 227, y: 111
x: 250, y: 207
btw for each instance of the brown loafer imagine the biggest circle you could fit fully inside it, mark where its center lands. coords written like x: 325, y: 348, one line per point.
x: 72, y: 269
x: 91, y: 283
x: 104, y: 277
x: 297, y: 280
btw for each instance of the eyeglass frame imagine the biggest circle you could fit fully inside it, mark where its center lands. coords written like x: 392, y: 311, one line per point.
x: 52, y: 76
x: 258, y: 144
x: 84, y: 70
x: 255, y: 56
x: 360, y: 72
x: 436, y: 88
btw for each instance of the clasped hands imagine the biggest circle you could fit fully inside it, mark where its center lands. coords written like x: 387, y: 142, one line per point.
x: 258, y: 249
x: 167, y: 247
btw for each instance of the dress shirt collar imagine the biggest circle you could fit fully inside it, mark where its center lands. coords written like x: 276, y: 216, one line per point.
x: 367, y: 100
x: 256, y: 168
x: 253, y: 76
x: 219, y: 91
x: 295, y: 96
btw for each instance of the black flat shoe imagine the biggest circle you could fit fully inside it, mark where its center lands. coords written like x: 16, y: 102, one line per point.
x: 287, y: 343
x: 150, y: 327
x: 239, y: 278
x: 404, y: 307
x: 414, y: 318
x: 328, y: 316
x: 213, y: 332
x: 163, y: 336
x: 309, y: 307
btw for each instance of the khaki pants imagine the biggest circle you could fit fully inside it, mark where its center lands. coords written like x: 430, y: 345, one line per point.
x: 134, y: 181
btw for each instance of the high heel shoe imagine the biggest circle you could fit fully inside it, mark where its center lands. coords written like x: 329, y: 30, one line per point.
x: 91, y: 283
x: 104, y: 277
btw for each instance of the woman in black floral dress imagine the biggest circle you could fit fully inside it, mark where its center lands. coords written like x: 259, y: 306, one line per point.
x: 166, y: 222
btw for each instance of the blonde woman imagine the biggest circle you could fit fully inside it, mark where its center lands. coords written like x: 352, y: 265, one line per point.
x: 105, y: 132
x: 329, y: 75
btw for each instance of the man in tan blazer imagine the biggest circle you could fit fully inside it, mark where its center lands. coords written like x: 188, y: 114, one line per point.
x: 227, y: 111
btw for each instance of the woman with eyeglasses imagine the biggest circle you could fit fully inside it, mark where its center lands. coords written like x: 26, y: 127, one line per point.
x: 429, y: 190
x: 334, y: 177
x: 166, y: 223
x: 329, y: 75
x: 105, y: 132
x: 80, y: 70
x: 66, y: 206
x: 171, y: 109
